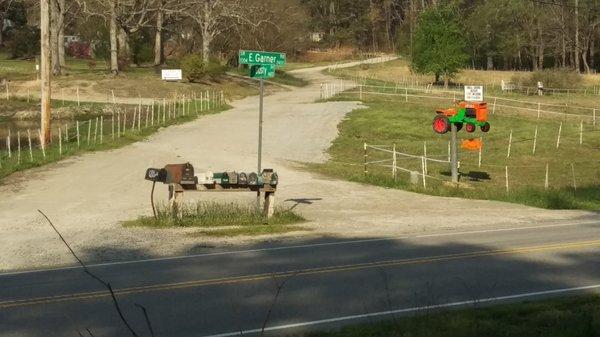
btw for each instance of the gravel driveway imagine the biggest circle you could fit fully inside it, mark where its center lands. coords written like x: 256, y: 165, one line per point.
x: 89, y: 195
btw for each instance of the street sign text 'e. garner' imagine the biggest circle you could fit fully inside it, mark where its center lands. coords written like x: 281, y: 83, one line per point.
x: 261, y: 57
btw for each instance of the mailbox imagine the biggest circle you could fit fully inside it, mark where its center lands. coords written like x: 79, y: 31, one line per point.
x: 182, y: 174
x: 156, y: 175
x: 242, y: 179
x: 253, y: 179
x: 233, y: 178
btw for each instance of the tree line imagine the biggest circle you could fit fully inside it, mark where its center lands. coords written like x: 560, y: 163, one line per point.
x: 492, y: 34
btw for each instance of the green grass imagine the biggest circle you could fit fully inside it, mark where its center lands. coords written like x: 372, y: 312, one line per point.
x: 10, y: 165
x: 221, y: 219
x: 565, y: 317
x: 389, y: 120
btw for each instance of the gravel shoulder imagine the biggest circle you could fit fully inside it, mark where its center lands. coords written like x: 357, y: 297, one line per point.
x: 88, y: 196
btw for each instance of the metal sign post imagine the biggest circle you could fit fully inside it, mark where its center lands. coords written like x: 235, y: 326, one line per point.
x: 260, y: 123
x: 262, y: 65
x: 454, y: 153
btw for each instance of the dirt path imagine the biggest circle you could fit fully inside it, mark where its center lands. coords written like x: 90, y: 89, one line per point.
x: 87, y: 196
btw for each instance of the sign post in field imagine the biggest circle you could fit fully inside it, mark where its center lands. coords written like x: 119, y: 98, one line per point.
x: 262, y: 65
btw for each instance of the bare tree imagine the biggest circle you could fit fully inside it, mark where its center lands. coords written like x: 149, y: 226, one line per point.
x: 215, y: 17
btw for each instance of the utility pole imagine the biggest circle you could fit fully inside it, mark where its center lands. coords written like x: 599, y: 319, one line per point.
x: 45, y: 70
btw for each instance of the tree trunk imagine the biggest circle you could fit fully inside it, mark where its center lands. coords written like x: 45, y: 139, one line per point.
x: 54, y: 24
x: 446, y: 80
x: 158, y: 43
x: 577, y: 64
x: 584, y: 56
x: 114, y: 59
x: 490, y: 62
x: 206, y: 40
x: 207, y: 34
x: 61, y: 36
x: 123, y: 43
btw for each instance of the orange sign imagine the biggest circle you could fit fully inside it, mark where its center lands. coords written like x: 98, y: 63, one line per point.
x: 473, y: 144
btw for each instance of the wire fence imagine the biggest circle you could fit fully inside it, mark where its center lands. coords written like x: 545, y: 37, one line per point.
x: 495, y: 103
x: 433, y: 165
x: 23, y: 148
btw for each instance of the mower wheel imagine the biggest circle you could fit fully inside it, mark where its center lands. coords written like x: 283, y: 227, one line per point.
x: 441, y: 124
x: 470, y: 127
x: 485, y: 127
x: 458, y: 126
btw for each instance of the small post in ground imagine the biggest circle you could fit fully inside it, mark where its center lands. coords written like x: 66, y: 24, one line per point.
x: 558, y: 137
x: 30, y: 148
x: 365, y: 159
x: 573, y: 172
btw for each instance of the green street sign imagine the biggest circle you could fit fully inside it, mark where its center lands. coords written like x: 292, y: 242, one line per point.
x: 261, y: 57
x: 262, y: 71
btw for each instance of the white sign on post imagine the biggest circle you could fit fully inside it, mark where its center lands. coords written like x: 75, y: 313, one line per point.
x: 171, y: 74
x: 473, y: 93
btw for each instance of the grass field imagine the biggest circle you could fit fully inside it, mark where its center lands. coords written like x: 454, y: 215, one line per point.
x: 389, y: 120
x: 398, y: 71
x: 222, y: 220
x: 566, y: 317
x: 97, y: 82
x: 90, y: 139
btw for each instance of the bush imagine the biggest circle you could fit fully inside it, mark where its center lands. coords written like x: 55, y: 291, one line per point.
x: 561, y: 78
x: 194, y: 68
x: 23, y: 42
x: 79, y: 50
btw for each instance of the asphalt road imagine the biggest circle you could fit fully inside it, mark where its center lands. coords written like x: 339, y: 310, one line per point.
x: 322, y: 283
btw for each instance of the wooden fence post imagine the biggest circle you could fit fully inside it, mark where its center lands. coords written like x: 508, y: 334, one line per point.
x: 423, y: 172
x: 425, y: 156
x: 573, y: 172
x: 394, y: 162
x: 509, y: 143
x: 19, y: 147
x: 96, y: 131
x: 558, y: 137
x: 365, y: 159
x: 535, y: 139
x: 77, y: 125
x: 101, y: 128
x: 30, y: 148
x: 89, y: 131
x: 546, y: 178
x: 581, y: 133
x: 506, y: 176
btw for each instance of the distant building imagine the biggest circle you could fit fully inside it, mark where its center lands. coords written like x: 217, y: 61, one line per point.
x: 317, y: 36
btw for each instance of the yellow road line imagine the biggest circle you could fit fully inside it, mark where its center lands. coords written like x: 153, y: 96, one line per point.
x: 303, y: 272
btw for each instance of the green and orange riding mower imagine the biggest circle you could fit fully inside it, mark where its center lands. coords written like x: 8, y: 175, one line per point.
x: 468, y: 114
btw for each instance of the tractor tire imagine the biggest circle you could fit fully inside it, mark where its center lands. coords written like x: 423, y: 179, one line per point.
x: 441, y: 124
x: 470, y: 127
x: 459, y: 126
x: 485, y: 127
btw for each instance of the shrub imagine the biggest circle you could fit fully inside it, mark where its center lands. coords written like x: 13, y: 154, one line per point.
x: 23, y: 42
x: 79, y: 50
x: 194, y: 68
x: 560, y: 78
